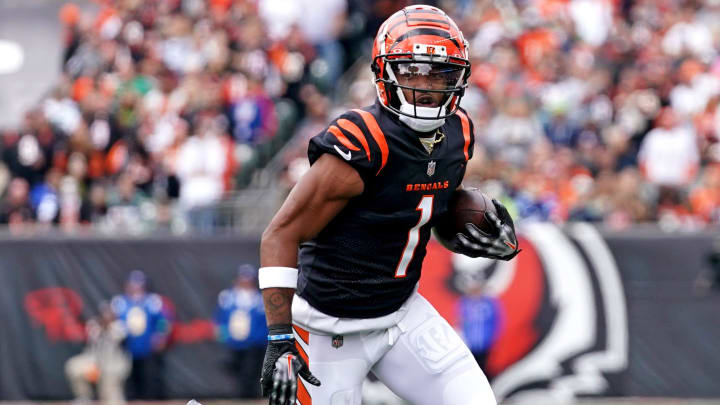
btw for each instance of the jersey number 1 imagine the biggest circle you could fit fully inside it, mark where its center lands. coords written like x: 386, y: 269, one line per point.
x: 425, y: 208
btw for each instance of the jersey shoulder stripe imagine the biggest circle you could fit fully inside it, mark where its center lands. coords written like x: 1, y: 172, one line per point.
x: 377, y: 135
x: 348, y: 138
x: 466, y: 132
x: 342, y: 138
x: 353, y: 129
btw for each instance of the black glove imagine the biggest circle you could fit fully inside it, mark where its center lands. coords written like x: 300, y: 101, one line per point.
x: 502, y: 244
x: 284, y: 388
x: 281, y: 367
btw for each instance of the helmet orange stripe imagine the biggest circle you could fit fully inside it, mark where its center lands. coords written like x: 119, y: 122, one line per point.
x: 430, y: 21
x: 425, y: 31
x: 466, y: 131
x: 356, y: 132
x: 377, y: 135
x: 342, y: 138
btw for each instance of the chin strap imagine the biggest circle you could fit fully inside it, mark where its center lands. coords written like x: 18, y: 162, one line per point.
x: 422, y: 125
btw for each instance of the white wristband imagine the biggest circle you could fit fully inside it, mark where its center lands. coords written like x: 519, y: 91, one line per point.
x: 281, y: 277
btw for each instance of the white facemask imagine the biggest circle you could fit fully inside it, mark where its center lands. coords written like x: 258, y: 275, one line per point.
x: 422, y: 125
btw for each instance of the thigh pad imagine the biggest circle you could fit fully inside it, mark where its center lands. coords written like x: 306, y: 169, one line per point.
x: 436, y: 345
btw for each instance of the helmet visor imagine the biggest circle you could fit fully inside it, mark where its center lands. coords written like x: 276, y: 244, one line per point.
x: 428, y: 76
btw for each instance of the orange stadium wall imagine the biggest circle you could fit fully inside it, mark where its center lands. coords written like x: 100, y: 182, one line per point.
x: 585, y: 313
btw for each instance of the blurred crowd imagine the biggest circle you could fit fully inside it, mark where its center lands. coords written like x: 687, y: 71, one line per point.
x: 593, y: 110
x: 159, y: 104
x: 599, y: 110
x: 586, y: 110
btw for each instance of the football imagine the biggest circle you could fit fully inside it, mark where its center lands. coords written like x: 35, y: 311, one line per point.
x: 466, y: 206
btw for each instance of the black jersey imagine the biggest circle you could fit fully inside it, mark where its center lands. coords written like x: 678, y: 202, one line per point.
x: 366, y: 261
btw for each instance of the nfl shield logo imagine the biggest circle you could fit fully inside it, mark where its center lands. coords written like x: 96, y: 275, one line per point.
x: 431, y: 168
x: 337, y: 341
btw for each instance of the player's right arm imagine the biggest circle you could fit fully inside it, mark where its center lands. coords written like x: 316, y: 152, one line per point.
x: 314, y: 201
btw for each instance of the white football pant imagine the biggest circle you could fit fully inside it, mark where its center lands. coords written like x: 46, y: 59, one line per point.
x: 413, y: 351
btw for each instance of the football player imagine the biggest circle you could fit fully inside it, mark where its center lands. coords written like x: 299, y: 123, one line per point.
x: 341, y: 259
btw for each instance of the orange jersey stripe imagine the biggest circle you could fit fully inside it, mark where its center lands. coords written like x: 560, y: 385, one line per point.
x: 356, y: 132
x: 466, y: 131
x: 377, y: 135
x: 342, y: 138
x: 303, y: 396
x: 302, y: 352
x: 302, y: 333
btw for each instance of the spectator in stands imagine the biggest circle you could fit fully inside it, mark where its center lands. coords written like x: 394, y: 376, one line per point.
x: 94, y: 207
x: 694, y: 89
x: 705, y: 197
x: 45, y: 198
x: 102, y: 362
x: 203, y: 162
x: 240, y: 325
x: 688, y: 35
x: 668, y: 154
x: 253, y: 114
x: 143, y: 318
x: 70, y: 18
x: 127, y: 206
x: 16, y: 210
x: 513, y: 133
x: 319, y: 23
